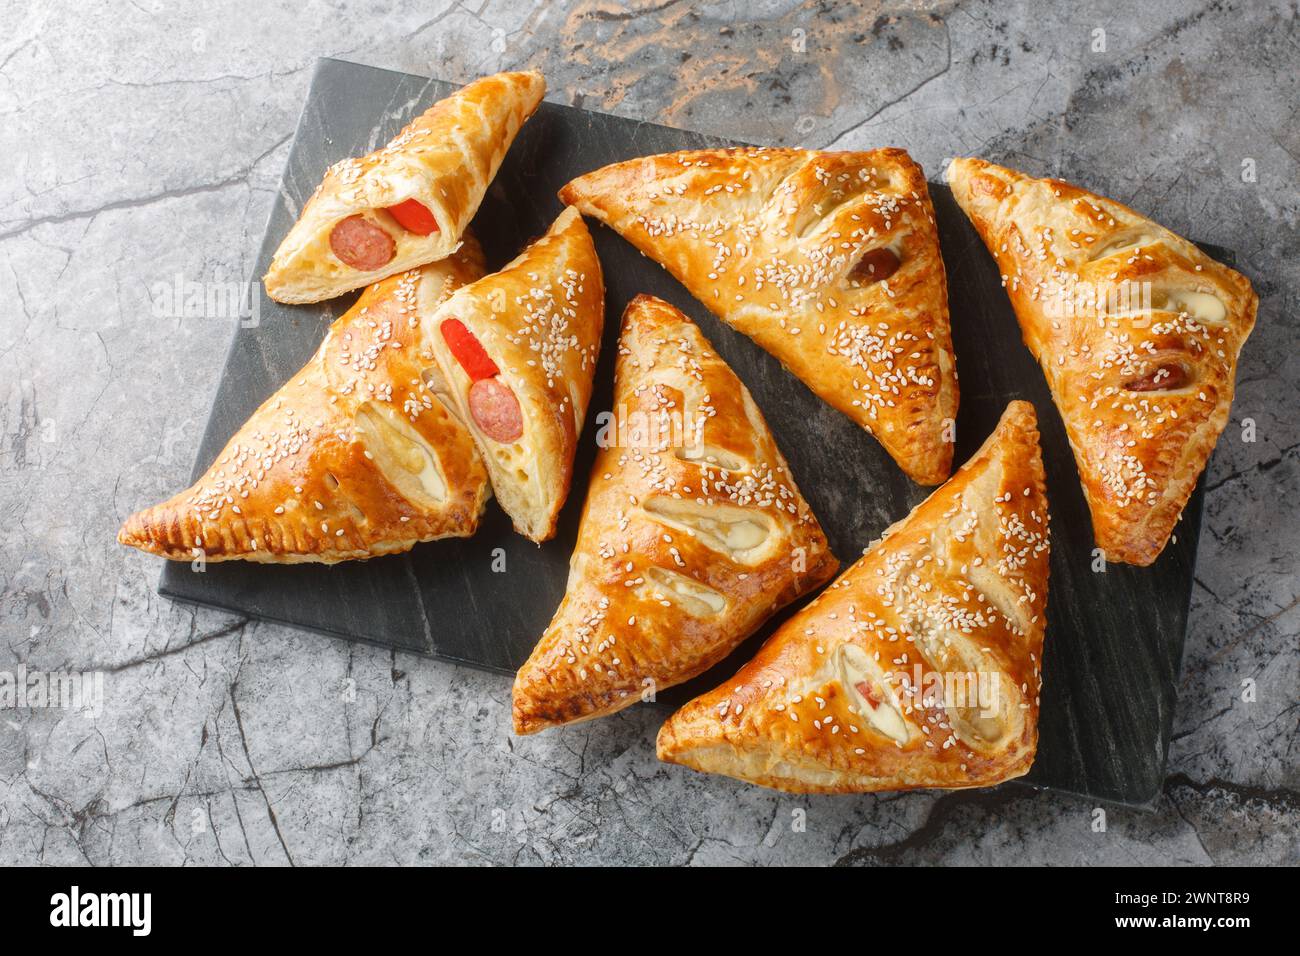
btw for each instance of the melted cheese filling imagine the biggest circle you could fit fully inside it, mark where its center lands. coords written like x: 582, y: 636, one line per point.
x: 1201, y: 306
x: 711, y: 455
x: 975, y: 726
x: 690, y: 595
x: 406, y: 460
x: 858, y: 672
x: 1125, y: 243
x: 733, y: 531
x: 983, y: 712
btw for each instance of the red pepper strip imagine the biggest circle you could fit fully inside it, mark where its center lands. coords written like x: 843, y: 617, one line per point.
x: 414, y: 216
x: 467, y: 349
x: 864, y: 689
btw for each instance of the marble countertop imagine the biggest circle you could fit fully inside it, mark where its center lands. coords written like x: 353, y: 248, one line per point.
x: 146, y: 142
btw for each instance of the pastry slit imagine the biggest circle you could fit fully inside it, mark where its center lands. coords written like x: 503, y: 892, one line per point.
x: 710, y: 456
x: 402, y: 455
x: 695, y: 598
x: 736, y: 532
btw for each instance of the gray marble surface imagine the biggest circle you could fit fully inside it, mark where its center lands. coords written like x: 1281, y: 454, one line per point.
x: 146, y: 140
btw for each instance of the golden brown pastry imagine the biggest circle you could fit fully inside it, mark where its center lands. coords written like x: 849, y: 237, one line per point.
x: 829, y: 260
x: 406, y: 204
x: 919, y: 667
x: 1137, y: 331
x: 692, y: 535
x: 517, y: 351
x: 353, y: 457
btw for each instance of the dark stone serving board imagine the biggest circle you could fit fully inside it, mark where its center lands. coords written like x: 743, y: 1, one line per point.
x: 1114, y: 639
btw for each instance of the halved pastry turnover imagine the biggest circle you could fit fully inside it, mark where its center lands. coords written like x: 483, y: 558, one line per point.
x: 354, y: 457
x: 919, y: 667
x: 518, y: 350
x: 828, y: 260
x: 692, y: 535
x: 1137, y: 331
x: 406, y: 204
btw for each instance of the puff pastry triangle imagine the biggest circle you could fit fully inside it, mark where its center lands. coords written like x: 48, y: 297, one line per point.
x: 692, y: 535
x: 1137, y: 331
x: 918, y: 667
x: 828, y: 260
x: 518, y: 350
x: 406, y: 204
x: 354, y: 457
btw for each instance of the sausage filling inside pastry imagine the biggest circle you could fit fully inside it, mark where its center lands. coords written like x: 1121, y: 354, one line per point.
x: 919, y: 667
x: 408, y: 203
x: 693, y: 533
x: 517, y: 352
x: 1137, y: 332
x: 828, y: 260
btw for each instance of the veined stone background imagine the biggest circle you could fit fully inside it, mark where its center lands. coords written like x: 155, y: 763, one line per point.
x: 146, y: 140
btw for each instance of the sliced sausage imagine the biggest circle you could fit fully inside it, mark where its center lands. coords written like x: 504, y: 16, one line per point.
x: 875, y: 265
x: 1167, y: 377
x: 361, y: 244
x: 496, y: 410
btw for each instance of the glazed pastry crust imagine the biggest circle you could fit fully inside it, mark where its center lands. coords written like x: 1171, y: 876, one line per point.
x: 336, y: 465
x: 539, y: 319
x: 769, y: 240
x: 445, y: 158
x: 960, y: 587
x: 1108, y: 300
x: 693, y: 533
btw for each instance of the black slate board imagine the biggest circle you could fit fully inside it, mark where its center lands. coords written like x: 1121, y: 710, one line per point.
x: 1114, y: 639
